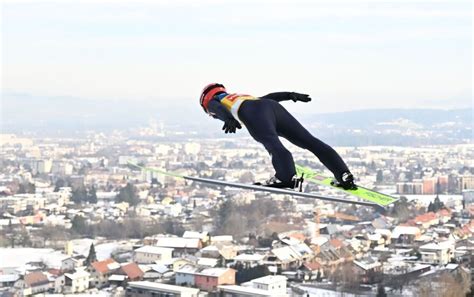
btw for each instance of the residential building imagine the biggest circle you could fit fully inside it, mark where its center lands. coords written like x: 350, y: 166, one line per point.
x: 76, y: 282
x: 8, y: 280
x: 203, y: 236
x: 181, y: 246
x: 185, y: 275
x: 275, y: 284
x: 311, y: 270
x: 437, y: 253
x: 209, y: 279
x: 100, y: 271
x: 33, y: 283
x: 71, y: 263
x: 152, y: 254
x: 151, y: 289
x: 131, y: 271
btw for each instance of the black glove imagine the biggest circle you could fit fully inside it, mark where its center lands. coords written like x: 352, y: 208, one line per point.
x: 231, y: 125
x: 300, y: 97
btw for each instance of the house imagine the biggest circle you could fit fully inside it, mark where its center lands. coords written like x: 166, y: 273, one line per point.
x: 376, y: 239
x: 100, y: 271
x: 71, y: 263
x: 223, y: 252
x: 249, y: 260
x: 334, y: 252
x: 76, y: 282
x: 157, y: 272
x: 33, y: 283
x: 369, y: 270
x: 177, y: 263
x: 275, y: 284
x: 150, y: 289
x: 210, y: 278
x: 8, y: 280
x: 185, y: 275
x: 293, y: 256
x: 271, y: 285
x: 203, y: 236
x: 152, y: 254
x: 131, y: 271
x: 311, y: 270
x: 405, y: 235
x: 181, y: 246
x: 437, y: 253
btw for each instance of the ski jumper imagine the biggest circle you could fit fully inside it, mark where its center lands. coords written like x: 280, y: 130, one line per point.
x: 266, y: 119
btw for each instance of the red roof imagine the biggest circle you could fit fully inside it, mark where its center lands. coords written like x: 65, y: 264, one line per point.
x: 132, y: 271
x: 298, y: 236
x: 54, y: 271
x: 336, y: 243
x: 429, y: 216
x: 36, y: 278
x: 312, y: 265
x: 101, y: 266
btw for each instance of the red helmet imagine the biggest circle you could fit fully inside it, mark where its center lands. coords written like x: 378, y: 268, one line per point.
x: 209, y: 92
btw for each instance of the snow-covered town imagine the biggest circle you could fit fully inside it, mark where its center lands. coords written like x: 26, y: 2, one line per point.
x: 76, y: 218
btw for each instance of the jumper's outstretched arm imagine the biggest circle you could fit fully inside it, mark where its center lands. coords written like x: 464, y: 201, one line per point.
x: 283, y: 96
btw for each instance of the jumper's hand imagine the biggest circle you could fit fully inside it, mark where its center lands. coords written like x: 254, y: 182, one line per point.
x: 300, y: 97
x: 231, y: 125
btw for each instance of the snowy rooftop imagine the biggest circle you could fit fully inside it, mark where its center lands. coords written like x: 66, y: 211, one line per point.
x: 269, y: 279
x: 221, y: 238
x: 249, y: 257
x: 438, y: 246
x: 210, y: 262
x: 77, y: 274
x: 154, y: 249
x: 7, y: 278
x: 247, y: 290
x: 187, y: 269
x: 163, y: 287
x: 409, y: 230
x: 215, y: 272
x: 117, y: 277
x: 178, y: 242
x: 194, y: 234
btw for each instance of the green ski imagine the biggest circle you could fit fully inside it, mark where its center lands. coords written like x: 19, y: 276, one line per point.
x: 255, y: 187
x: 361, y: 192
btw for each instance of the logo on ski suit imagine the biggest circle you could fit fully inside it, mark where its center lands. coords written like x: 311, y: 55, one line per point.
x: 233, y: 101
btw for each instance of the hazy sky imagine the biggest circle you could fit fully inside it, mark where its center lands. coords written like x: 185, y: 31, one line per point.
x: 345, y: 54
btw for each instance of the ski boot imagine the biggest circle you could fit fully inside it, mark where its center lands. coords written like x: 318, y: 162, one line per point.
x: 346, y: 181
x: 273, y: 182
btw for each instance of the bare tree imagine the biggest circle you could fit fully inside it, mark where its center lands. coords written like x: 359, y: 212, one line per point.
x: 445, y: 285
x: 345, y: 276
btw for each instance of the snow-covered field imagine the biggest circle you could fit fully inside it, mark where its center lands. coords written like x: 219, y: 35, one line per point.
x: 19, y: 257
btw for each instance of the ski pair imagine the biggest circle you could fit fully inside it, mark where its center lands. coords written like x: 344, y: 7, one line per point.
x: 297, y: 182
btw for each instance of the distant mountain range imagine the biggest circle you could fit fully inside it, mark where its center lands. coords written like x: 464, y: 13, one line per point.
x: 69, y: 115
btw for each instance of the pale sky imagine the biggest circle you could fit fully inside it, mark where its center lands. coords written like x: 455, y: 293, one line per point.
x: 346, y: 54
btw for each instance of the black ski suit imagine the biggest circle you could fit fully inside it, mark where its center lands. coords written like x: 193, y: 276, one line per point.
x: 266, y: 119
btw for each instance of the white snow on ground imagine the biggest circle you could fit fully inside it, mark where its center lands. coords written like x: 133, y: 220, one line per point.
x: 18, y: 257
x: 103, y: 250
